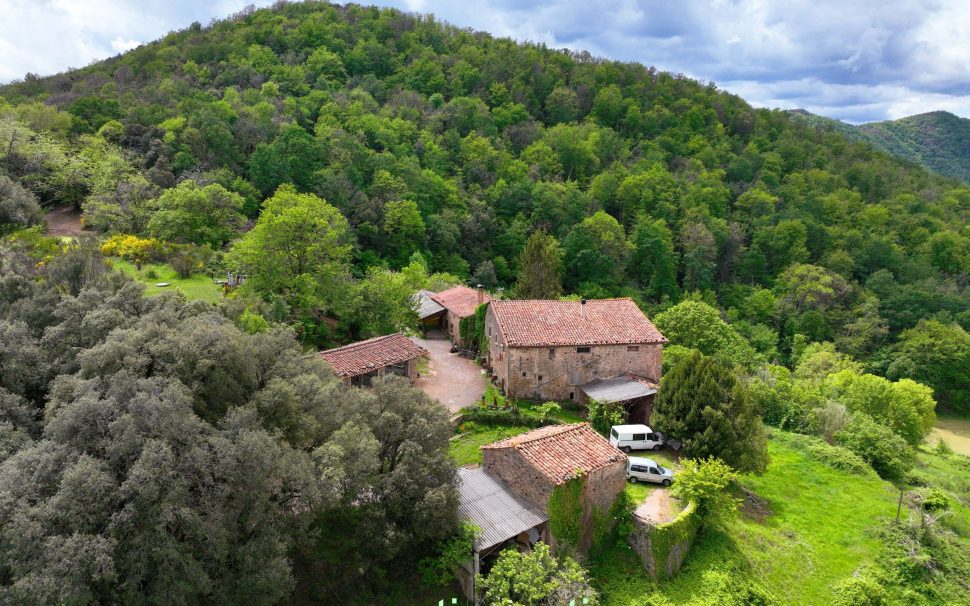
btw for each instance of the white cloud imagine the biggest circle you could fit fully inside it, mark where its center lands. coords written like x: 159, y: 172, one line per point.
x: 121, y: 45
x: 860, y: 60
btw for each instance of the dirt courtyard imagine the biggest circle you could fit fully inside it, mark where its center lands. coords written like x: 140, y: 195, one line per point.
x: 658, y: 507
x: 454, y: 381
x: 64, y: 221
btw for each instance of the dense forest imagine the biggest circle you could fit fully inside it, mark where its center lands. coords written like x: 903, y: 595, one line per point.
x: 938, y: 140
x: 340, y: 158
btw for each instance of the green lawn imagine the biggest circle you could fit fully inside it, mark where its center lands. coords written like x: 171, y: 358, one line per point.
x: 815, y: 534
x: 194, y: 287
x: 566, y: 415
x: 465, y: 449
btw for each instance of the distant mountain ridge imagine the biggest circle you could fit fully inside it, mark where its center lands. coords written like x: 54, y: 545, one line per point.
x: 939, y: 140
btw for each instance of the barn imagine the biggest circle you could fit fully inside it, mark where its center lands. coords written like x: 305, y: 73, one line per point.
x: 601, y: 349
x: 359, y: 363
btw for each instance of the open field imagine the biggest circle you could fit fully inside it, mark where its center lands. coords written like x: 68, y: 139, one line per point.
x: 194, y: 288
x: 955, y: 431
x: 808, y: 529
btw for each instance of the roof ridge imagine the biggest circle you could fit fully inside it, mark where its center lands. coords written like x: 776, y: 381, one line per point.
x: 364, y: 342
x: 523, y: 438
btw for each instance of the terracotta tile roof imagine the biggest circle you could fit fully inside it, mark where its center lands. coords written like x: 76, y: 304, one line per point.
x: 366, y: 356
x: 602, y: 322
x: 559, y: 451
x: 460, y: 300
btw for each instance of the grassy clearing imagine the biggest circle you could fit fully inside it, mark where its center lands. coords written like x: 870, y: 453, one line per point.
x: 465, y: 449
x: 955, y: 431
x: 816, y: 533
x: 194, y: 288
x: 952, y: 475
x: 566, y: 415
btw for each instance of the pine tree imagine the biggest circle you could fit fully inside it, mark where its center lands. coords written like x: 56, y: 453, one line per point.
x: 702, y: 403
x: 540, y: 268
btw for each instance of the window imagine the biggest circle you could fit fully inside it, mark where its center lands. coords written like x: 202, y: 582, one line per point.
x: 639, y: 437
x: 614, y: 434
x: 639, y: 468
x: 652, y: 437
x: 540, y: 377
x: 523, y: 373
x: 633, y: 348
x: 570, y: 395
x: 552, y: 353
x: 582, y: 350
x: 654, y: 470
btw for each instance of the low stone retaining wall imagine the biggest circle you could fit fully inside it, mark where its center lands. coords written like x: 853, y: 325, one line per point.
x: 663, y: 547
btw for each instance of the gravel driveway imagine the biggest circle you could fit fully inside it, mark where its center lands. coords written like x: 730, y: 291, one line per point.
x: 454, y: 381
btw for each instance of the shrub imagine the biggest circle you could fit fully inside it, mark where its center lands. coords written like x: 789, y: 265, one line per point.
x: 943, y: 448
x: 440, y: 569
x: 887, y: 452
x: 547, y: 411
x: 132, y: 248
x: 839, y: 458
x: 858, y: 591
x: 536, y: 577
x: 935, y: 499
x: 705, y: 482
x: 603, y: 416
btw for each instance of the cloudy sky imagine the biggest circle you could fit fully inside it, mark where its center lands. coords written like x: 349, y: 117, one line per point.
x: 857, y: 60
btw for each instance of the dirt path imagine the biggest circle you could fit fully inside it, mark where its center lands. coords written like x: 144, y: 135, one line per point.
x: 64, y: 221
x: 658, y: 507
x: 454, y: 381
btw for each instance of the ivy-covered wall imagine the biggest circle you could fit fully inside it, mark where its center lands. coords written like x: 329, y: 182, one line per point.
x: 565, y: 511
x: 663, y: 547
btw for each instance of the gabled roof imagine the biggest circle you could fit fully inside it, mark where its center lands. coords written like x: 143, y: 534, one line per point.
x: 561, y: 452
x: 460, y: 300
x: 367, y: 356
x: 426, y: 306
x: 494, y: 508
x: 543, y: 323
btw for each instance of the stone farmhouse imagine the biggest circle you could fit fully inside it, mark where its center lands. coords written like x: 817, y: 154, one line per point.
x: 446, y: 309
x: 358, y: 363
x: 507, y: 498
x: 605, y: 350
x: 533, y: 464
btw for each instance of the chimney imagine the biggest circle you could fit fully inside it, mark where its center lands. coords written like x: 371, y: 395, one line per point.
x: 582, y: 308
x: 481, y: 294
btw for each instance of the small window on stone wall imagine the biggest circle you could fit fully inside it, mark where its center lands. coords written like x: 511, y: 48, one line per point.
x: 523, y: 373
x: 540, y: 377
x: 633, y: 348
x: 552, y: 353
x: 582, y: 350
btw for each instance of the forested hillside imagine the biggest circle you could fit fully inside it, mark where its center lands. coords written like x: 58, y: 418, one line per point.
x: 406, y: 136
x: 158, y: 449
x: 938, y: 140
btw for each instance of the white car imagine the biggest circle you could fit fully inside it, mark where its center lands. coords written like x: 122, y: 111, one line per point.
x: 635, y: 437
x: 640, y: 469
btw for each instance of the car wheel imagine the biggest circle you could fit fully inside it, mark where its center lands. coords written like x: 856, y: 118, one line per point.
x: 625, y: 449
x: 657, y: 446
x: 665, y: 483
x: 633, y: 479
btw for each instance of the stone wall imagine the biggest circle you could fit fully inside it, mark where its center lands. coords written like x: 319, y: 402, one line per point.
x: 664, y: 547
x: 599, y: 492
x: 522, y: 477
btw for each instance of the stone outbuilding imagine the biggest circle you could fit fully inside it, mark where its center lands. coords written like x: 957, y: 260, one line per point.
x: 358, y: 363
x: 535, y: 463
x: 446, y: 309
x: 575, y: 350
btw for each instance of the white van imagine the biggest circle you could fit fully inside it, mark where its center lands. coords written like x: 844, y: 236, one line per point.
x: 639, y: 469
x: 635, y: 437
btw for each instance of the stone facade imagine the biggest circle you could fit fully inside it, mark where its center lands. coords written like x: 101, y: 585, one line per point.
x: 599, y: 491
x: 513, y: 469
x: 555, y: 373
